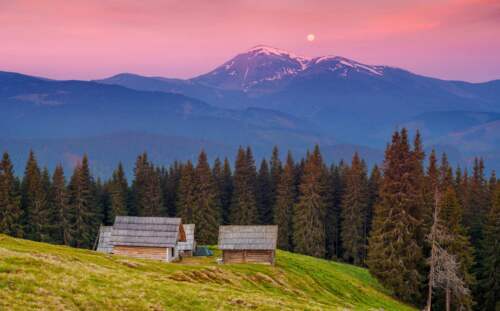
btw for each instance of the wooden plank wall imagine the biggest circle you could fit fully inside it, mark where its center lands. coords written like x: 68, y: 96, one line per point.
x: 157, y: 253
x: 248, y: 256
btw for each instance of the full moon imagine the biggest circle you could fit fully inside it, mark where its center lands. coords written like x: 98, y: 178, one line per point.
x: 311, y: 37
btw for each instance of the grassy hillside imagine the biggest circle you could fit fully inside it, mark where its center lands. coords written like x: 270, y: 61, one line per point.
x: 41, y: 276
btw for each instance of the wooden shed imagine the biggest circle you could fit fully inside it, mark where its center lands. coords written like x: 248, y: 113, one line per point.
x: 104, y: 240
x: 248, y: 244
x: 147, y: 237
x: 187, y: 248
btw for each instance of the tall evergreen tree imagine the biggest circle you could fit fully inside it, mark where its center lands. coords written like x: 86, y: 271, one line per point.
x: 102, y: 195
x: 457, y: 242
x: 61, y: 214
x: 186, y: 195
x: 335, y: 192
x: 373, y: 198
x: 243, y: 204
x: 264, y: 194
x: 489, y: 255
x: 10, y: 200
x: 34, y: 201
x: 354, y: 212
x: 119, y: 194
x: 83, y: 206
x: 147, y: 191
x: 309, y: 212
x: 171, y: 188
x: 47, y: 226
x: 417, y: 192
x: 477, y: 205
x: 276, y: 171
x: 283, y: 208
x: 446, y: 179
x: 207, y: 213
x: 224, y: 180
x: 394, y: 254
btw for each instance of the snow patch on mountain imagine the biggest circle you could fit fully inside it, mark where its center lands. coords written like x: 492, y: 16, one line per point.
x: 341, y: 63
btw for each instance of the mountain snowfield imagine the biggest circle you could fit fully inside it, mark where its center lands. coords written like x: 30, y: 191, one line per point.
x: 262, y: 97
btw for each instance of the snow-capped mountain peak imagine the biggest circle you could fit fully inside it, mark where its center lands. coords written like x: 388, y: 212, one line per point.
x: 261, y: 65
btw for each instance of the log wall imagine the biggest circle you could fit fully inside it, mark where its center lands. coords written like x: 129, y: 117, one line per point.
x: 157, y: 253
x: 248, y: 256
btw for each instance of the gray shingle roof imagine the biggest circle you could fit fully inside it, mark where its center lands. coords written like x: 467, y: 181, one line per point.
x: 104, y: 243
x: 145, y: 231
x: 190, y: 242
x: 248, y: 237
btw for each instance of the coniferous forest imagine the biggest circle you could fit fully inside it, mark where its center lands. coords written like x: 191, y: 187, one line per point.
x: 428, y: 231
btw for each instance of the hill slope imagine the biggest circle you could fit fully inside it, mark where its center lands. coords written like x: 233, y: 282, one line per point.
x: 41, y: 276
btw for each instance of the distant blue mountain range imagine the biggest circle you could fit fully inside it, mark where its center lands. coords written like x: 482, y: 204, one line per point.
x: 262, y: 97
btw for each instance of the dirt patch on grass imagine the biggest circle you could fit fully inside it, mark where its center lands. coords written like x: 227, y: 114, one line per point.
x: 209, y: 275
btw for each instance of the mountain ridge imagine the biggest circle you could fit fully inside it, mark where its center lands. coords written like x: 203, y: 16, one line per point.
x: 283, y: 99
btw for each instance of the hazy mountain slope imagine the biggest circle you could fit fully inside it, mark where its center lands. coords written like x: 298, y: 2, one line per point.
x: 31, y: 275
x: 353, y: 101
x: 37, y: 108
x: 62, y: 120
x: 221, y: 98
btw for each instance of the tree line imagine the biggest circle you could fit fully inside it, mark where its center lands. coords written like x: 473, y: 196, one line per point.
x: 428, y: 232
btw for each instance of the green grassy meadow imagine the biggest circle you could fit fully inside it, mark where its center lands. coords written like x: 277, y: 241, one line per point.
x: 38, y: 276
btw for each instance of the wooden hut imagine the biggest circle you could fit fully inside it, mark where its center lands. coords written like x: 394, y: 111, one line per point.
x: 187, y: 248
x: 147, y: 237
x: 248, y: 244
x: 104, y: 240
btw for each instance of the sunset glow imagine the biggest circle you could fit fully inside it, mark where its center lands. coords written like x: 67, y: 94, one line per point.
x: 452, y: 39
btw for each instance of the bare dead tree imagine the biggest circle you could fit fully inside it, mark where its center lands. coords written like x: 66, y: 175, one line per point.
x: 444, y: 269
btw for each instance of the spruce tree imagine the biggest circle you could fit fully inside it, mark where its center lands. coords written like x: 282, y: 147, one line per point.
x: 34, y: 201
x: 446, y: 174
x: 243, y: 203
x: 83, y: 207
x: 457, y: 242
x: 61, y: 214
x: 285, y: 200
x: 354, y: 212
x: 186, y: 195
x: 335, y: 192
x: 146, y: 187
x: 395, y: 254
x: 310, y: 211
x: 489, y: 255
x: 264, y: 194
x: 119, y: 193
x: 416, y: 191
x: 171, y: 188
x: 206, y: 213
x: 102, y: 195
x: 373, y: 198
x: 224, y: 180
x: 477, y: 205
x: 276, y: 171
x: 10, y: 200
x: 47, y: 226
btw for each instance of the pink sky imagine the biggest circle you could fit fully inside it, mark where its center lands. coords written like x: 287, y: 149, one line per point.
x: 451, y: 39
